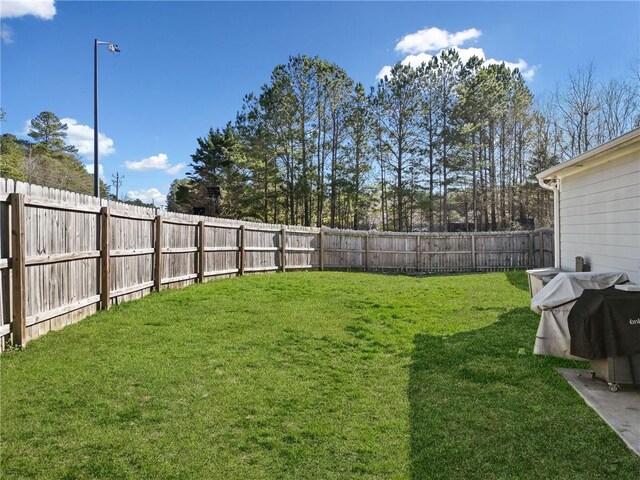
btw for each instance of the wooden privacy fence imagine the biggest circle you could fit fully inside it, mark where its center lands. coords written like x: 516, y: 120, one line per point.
x: 63, y: 255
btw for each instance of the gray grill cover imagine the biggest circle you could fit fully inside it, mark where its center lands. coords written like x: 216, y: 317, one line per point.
x: 554, y: 302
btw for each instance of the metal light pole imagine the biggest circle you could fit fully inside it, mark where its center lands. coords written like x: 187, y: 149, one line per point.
x: 112, y: 48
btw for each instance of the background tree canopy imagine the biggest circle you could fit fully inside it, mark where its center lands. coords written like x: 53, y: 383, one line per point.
x: 447, y: 146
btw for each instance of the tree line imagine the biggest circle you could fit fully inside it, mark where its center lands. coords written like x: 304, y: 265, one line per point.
x: 450, y: 145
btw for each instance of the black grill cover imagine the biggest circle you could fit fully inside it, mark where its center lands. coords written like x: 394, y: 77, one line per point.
x: 605, y: 323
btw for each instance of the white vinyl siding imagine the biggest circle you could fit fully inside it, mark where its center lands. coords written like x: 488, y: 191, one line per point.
x: 600, y: 217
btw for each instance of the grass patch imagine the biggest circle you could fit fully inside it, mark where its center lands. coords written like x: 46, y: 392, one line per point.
x: 304, y: 375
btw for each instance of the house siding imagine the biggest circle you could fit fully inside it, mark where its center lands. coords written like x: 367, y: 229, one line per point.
x: 600, y: 217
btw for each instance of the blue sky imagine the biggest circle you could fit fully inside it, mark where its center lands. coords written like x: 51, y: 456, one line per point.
x: 185, y: 66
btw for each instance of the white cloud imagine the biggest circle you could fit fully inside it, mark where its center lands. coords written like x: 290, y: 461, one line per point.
x: 44, y: 9
x: 384, y: 72
x: 175, y: 169
x: 411, y: 60
x: 467, y: 53
x: 81, y: 137
x: 155, y: 162
x: 435, y: 39
x: 416, y: 60
x: 151, y: 195
x: 25, y: 130
x: 6, y: 33
x: 89, y: 168
x: 527, y: 71
x: 432, y: 39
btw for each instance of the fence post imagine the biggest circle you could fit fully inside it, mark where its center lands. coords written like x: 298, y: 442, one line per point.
x: 366, y: 252
x: 241, y: 250
x: 321, y: 241
x: 542, y: 249
x: 417, y: 253
x: 105, y: 257
x: 158, y: 254
x: 201, y: 251
x: 283, y: 249
x: 473, y: 252
x: 531, y: 259
x: 427, y: 266
x: 18, y: 269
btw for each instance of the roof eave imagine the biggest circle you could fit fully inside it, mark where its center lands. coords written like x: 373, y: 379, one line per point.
x: 593, y: 157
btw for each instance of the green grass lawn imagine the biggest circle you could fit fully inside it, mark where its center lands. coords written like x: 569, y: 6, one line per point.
x: 304, y: 376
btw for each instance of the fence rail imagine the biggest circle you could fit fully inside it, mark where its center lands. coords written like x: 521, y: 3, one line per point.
x: 63, y: 255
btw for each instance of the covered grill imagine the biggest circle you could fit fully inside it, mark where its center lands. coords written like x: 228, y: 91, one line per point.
x: 584, y: 317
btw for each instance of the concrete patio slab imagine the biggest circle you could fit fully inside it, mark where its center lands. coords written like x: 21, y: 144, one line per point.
x: 620, y: 410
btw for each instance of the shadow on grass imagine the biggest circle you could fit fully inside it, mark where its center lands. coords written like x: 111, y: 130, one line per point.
x: 483, y: 406
x: 517, y: 279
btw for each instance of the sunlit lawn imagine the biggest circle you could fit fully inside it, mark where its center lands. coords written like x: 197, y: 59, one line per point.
x: 304, y: 376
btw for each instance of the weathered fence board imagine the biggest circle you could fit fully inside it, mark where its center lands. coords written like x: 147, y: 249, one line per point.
x: 81, y: 253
